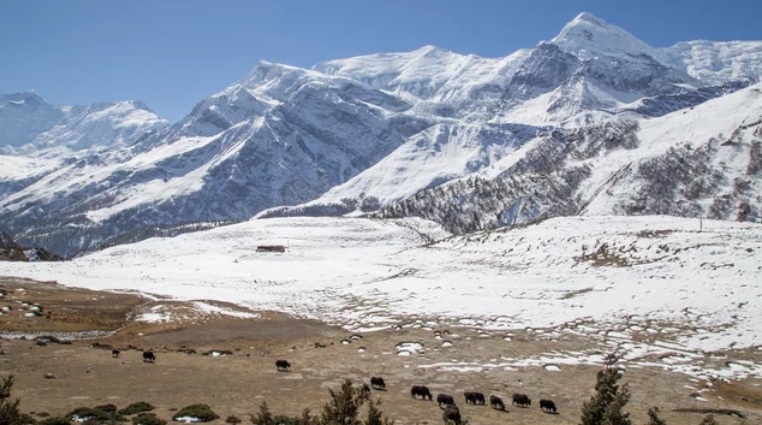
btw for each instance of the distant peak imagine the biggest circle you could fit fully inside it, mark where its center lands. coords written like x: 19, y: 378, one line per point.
x: 430, y: 50
x: 589, y: 17
x: 588, y: 36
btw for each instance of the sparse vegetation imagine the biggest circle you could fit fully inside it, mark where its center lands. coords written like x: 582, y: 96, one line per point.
x: 264, y: 417
x: 202, y: 412
x: 232, y: 419
x: 653, y: 417
x: 344, y: 406
x: 109, y: 408
x: 709, y: 420
x: 9, y: 409
x: 148, y: 419
x: 606, y: 406
x: 342, y: 409
x: 603, y: 256
x: 135, y: 408
x: 95, y: 415
x: 55, y: 421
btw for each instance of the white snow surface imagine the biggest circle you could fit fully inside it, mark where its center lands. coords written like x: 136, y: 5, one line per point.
x: 719, y: 61
x: 428, y: 73
x: 439, y: 154
x: 366, y: 274
x: 588, y: 37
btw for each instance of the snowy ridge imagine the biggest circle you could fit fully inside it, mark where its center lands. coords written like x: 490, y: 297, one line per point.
x: 429, y: 73
x: 31, y: 126
x: 589, y: 37
x: 355, y: 135
x: 717, y: 62
x: 703, y: 162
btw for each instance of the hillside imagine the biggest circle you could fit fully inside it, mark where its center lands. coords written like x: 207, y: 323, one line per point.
x: 382, y: 132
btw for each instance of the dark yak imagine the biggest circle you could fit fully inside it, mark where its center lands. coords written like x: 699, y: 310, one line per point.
x: 422, y: 391
x: 496, y: 402
x: 445, y: 399
x: 377, y: 383
x: 521, y: 400
x: 282, y: 365
x: 451, y: 415
x: 474, y: 398
x: 115, y: 354
x: 548, y: 406
x: 149, y: 356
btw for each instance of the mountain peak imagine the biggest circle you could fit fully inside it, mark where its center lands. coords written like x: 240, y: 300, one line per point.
x: 589, y: 17
x: 430, y: 50
x: 29, y: 96
x: 588, y: 36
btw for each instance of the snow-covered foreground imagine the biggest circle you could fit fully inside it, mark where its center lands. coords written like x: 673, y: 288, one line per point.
x: 695, y: 285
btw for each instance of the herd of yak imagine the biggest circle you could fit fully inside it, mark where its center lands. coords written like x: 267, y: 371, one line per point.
x: 445, y: 401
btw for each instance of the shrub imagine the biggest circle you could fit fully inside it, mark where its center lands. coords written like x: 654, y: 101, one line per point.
x: 605, y: 407
x: 147, y: 419
x: 202, y: 412
x: 344, y: 406
x: 9, y: 409
x: 653, y: 417
x: 109, y: 408
x: 232, y: 420
x: 285, y: 420
x: 709, y: 420
x: 264, y: 417
x: 138, y: 407
x: 54, y: 421
x: 26, y: 419
x: 95, y: 415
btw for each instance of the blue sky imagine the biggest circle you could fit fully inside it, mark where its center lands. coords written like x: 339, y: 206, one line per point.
x: 171, y: 54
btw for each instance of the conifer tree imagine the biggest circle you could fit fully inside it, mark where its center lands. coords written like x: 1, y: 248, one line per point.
x: 653, y: 417
x: 606, y: 406
x: 264, y: 417
x: 9, y: 409
x: 344, y: 406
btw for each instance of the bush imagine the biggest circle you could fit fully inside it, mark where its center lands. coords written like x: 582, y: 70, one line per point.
x: 709, y: 420
x: 26, y: 420
x: 108, y: 408
x: 653, y: 417
x: 606, y: 406
x: 9, y: 409
x: 285, y: 420
x: 264, y: 417
x: 344, y: 406
x: 138, y: 407
x: 95, y: 415
x: 202, y: 412
x: 147, y: 419
x: 232, y: 420
x: 55, y: 421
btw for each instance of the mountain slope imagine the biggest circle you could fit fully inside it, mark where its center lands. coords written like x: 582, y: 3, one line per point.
x: 279, y: 136
x: 359, y: 134
x: 703, y: 162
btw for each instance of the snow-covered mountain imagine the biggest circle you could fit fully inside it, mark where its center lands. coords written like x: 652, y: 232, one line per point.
x: 363, y: 134
x: 30, y: 126
x: 702, y: 162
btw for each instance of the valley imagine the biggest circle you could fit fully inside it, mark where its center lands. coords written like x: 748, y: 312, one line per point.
x: 192, y: 366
